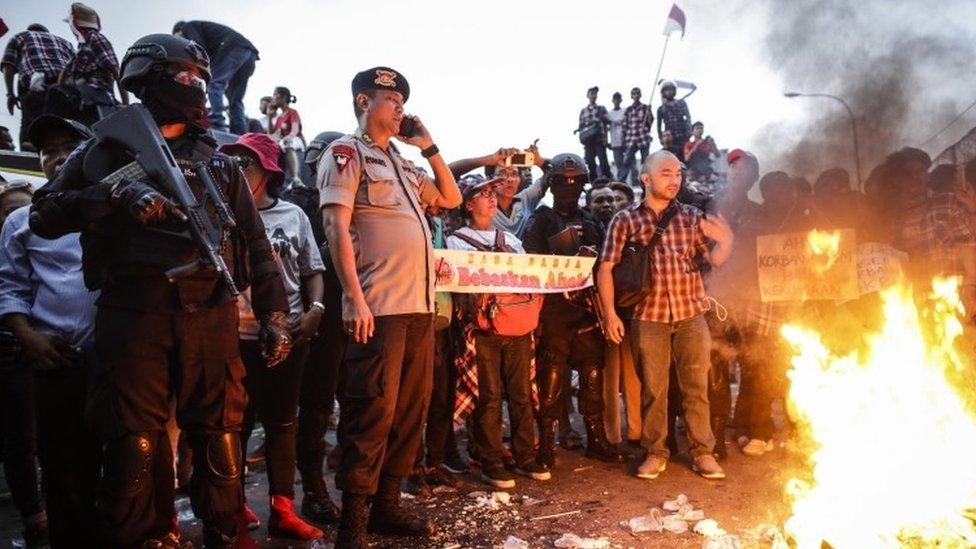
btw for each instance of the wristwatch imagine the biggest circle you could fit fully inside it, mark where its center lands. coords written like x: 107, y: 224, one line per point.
x: 430, y: 151
x: 317, y: 305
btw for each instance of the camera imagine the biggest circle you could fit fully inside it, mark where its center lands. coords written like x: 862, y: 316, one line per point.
x: 521, y: 160
x: 408, y: 127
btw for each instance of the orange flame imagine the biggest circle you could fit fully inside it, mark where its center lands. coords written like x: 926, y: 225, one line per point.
x: 892, y: 438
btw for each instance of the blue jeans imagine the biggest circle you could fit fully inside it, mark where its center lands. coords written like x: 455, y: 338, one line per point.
x: 230, y: 74
x: 629, y: 169
x: 655, y: 345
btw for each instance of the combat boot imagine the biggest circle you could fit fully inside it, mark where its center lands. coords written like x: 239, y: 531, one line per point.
x: 352, y: 522
x: 547, y: 443
x: 597, y: 445
x: 388, y: 518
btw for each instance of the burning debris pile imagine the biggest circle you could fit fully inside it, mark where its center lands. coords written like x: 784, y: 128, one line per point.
x: 890, y: 436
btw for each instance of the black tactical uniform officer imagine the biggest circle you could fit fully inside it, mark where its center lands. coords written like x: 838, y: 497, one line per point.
x: 157, y: 340
x: 570, y: 336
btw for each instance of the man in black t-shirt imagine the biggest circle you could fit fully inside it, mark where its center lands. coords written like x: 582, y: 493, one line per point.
x: 232, y: 59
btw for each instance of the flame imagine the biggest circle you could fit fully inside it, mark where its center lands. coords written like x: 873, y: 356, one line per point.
x: 824, y: 248
x: 892, y: 439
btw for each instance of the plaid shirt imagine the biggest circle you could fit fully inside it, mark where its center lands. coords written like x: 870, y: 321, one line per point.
x: 593, y: 113
x: 931, y: 230
x: 677, y: 291
x: 95, y: 61
x: 676, y: 118
x: 31, y: 51
x: 637, y: 133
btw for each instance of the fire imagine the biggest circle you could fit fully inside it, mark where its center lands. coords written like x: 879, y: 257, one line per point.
x: 892, y: 439
x: 824, y: 248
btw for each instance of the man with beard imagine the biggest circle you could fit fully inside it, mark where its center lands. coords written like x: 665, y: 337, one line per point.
x: 570, y: 337
x: 668, y: 321
x: 155, y: 340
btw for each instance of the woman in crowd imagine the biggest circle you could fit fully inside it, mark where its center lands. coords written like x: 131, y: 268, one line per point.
x: 502, y: 348
x: 287, y: 129
x: 273, y: 393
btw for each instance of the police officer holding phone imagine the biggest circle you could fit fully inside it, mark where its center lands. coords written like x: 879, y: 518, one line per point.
x: 373, y: 203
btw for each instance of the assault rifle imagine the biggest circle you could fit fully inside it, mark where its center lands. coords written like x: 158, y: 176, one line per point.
x: 134, y: 130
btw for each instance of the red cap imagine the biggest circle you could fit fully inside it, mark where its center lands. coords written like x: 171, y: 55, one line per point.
x: 262, y: 146
x: 736, y: 154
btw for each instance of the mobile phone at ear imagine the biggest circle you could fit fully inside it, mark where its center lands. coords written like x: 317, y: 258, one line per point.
x: 408, y: 127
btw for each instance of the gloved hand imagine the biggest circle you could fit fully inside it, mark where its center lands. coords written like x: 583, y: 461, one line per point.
x: 274, y: 339
x: 143, y: 203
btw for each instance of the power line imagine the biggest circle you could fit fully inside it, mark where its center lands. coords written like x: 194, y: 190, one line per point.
x: 947, y: 126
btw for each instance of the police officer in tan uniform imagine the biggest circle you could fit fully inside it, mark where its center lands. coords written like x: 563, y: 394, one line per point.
x: 373, y: 203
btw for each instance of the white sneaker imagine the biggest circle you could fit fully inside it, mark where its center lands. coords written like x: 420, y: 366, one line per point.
x: 756, y: 447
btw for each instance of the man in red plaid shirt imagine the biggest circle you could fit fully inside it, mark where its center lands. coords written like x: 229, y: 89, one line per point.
x: 669, y: 321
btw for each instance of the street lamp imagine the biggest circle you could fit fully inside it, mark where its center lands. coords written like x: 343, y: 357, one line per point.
x: 857, y: 152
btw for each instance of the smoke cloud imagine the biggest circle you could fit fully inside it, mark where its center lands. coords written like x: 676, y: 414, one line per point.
x: 903, y: 66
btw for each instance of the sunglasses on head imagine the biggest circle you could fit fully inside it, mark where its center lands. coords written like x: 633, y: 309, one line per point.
x: 571, y: 180
x: 487, y: 192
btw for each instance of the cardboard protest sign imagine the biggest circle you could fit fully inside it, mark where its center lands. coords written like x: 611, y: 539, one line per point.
x: 462, y: 271
x: 878, y: 266
x: 807, y: 266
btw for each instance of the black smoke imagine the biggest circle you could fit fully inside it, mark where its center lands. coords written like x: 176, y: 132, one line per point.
x: 904, y: 67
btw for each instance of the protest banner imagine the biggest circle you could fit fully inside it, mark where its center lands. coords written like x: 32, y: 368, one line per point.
x: 807, y: 266
x: 878, y: 266
x: 465, y: 272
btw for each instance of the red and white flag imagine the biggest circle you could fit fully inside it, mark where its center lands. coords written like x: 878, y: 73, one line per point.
x: 676, y: 21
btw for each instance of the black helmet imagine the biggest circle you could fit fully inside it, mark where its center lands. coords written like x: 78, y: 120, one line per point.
x: 567, y: 165
x: 317, y: 145
x: 157, y: 49
x: 669, y: 84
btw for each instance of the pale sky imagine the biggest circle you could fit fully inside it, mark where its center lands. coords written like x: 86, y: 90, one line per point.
x: 482, y: 74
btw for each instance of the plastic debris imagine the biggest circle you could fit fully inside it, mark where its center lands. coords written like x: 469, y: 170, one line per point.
x: 674, y: 524
x: 689, y: 514
x: 493, y: 501
x: 651, y: 522
x: 675, y: 504
x: 709, y: 528
x: 574, y: 541
x: 513, y: 542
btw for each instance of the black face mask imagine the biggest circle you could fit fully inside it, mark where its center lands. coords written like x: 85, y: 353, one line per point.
x: 171, y: 102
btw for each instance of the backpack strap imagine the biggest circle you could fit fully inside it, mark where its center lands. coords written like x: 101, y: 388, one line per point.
x: 500, y: 245
x: 480, y: 246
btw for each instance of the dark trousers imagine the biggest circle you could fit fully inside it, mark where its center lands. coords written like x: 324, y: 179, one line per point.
x: 318, y: 390
x: 630, y: 171
x: 31, y: 106
x: 230, y: 75
x: 273, y: 398
x: 19, y: 435
x: 592, y: 153
x: 385, y: 387
x: 70, y: 456
x: 763, y: 381
x: 144, y: 361
x: 568, y: 339
x: 618, y: 160
x: 439, y: 439
x: 503, y: 366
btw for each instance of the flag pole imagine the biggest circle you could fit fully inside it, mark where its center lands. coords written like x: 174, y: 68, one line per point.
x: 660, y: 64
x: 650, y: 98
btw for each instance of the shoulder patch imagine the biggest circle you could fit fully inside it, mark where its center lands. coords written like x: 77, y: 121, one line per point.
x: 342, y: 153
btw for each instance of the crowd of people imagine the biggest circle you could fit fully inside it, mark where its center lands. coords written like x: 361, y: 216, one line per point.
x: 127, y: 349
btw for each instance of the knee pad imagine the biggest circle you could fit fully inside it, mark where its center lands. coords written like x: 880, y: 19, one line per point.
x: 223, y: 456
x: 128, y: 462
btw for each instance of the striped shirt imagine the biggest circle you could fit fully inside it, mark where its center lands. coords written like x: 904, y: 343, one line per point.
x: 33, y: 51
x: 677, y: 291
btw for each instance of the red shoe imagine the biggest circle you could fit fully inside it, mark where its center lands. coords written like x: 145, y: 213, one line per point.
x: 284, y: 523
x: 252, y: 520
